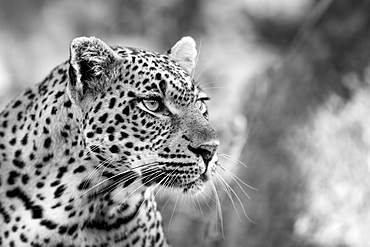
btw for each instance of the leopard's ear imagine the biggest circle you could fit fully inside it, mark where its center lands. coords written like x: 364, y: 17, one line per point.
x: 184, y: 53
x: 91, y: 62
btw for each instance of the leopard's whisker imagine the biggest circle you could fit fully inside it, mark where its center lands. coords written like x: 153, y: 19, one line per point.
x: 232, y: 159
x: 169, y: 177
x: 208, y: 199
x: 168, y: 199
x: 240, y: 202
x: 237, y: 179
x: 89, y: 151
x: 209, y: 88
x: 141, y: 186
x: 158, y: 185
x: 224, y: 185
x: 173, y: 211
x: 113, y: 186
x: 106, y: 163
x: 228, y: 193
x: 206, y: 84
x: 112, y: 177
x: 135, y: 182
x: 95, y: 168
x: 195, y: 203
x: 182, y: 204
x: 238, y: 184
x: 200, y: 207
x: 219, y: 208
x: 89, y: 178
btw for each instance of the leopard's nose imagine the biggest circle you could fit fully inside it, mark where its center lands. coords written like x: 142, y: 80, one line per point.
x: 206, y: 150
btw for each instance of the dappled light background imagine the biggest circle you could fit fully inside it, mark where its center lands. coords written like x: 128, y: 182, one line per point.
x: 289, y: 82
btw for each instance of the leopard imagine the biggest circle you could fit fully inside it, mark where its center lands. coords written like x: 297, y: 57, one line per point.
x: 84, y: 152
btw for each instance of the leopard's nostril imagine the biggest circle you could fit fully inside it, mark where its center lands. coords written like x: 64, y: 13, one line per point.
x: 206, y: 150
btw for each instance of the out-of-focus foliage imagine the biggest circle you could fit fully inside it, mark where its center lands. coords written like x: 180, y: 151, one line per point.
x: 309, y: 141
x: 297, y: 69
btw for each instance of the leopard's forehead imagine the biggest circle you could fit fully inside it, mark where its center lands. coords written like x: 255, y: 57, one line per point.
x: 151, y: 72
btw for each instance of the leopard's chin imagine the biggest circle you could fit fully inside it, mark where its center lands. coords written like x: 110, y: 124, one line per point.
x: 194, y: 187
x: 197, y: 185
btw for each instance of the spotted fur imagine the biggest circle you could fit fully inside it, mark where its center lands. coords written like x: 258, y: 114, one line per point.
x: 81, y: 152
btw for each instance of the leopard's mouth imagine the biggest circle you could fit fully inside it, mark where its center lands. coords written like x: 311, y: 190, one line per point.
x: 173, y: 175
x: 177, y: 182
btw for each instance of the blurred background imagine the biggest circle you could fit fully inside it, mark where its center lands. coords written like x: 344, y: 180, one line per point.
x: 289, y: 82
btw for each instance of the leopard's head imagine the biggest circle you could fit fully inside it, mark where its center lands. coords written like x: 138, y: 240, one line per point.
x: 145, y: 121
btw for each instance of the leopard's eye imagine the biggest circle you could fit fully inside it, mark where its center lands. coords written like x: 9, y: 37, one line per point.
x: 202, y: 108
x: 200, y: 105
x: 152, y: 104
